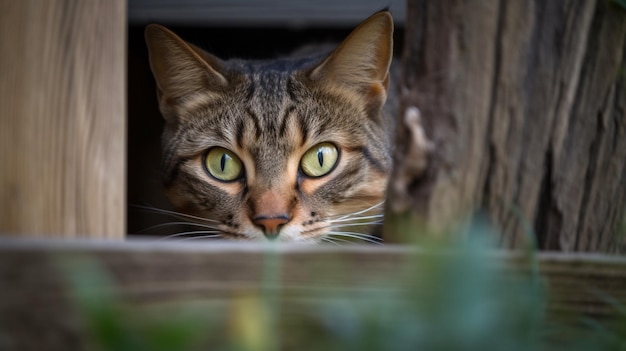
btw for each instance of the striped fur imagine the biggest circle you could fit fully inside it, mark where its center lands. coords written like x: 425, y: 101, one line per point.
x: 269, y: 113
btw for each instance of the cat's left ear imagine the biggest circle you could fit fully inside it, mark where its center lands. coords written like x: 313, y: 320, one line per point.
x: 181, y: 70
x: 361, y: 62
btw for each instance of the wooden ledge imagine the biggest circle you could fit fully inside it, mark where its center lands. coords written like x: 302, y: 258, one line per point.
x: 36, y: 296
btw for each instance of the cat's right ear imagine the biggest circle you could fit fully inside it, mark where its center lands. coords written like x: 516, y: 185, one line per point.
x: 361, y: 62
x: 182, y: 72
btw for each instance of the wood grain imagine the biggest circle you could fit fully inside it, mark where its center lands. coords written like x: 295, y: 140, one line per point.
x: 62, y: 118
x: 524, y: 102
x: 152, y: 274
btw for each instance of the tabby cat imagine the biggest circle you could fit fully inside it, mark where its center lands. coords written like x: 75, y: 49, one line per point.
x: 292, y: 149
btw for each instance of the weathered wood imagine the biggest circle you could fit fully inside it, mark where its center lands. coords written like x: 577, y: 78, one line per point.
x: 62, y: 118
x: 277, y: 13
x: 587, y: 190
x: 36, y: 297
x: 524, y: 102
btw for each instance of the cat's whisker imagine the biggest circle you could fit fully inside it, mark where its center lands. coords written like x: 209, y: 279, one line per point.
x: 330, y: 241
x: 193, y: 224
x: 174, y: 214
x: 364, y: 237
x: 213, y: 236
x: 343, y: 216
x: 195, y: 232
x: 373, y: 237
x: 339, y: 240
x: 354, y: 219
x: 342, y: 225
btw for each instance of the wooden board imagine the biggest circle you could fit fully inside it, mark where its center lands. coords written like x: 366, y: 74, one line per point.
x: 62, y: 118
x: 35, y: 294
x: 270, y: 13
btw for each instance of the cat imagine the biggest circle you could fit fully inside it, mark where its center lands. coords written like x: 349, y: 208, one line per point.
x: 289, y: 150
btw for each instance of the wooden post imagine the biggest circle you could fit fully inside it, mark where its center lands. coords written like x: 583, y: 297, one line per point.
x: 62, y: 118
x: 524, y: 103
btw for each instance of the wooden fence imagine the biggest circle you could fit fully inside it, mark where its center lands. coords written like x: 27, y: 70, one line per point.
x: 62, y: 153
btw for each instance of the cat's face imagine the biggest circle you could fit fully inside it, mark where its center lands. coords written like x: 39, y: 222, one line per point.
x: 288, y: 150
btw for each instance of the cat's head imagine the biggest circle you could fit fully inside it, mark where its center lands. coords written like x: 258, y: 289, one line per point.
x: 289, y: 149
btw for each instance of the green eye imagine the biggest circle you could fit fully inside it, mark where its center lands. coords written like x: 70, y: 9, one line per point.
x: 222, y: 164
x: 319, y: 160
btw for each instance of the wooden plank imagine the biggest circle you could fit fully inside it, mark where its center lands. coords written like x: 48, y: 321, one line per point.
x: 36, y: 297
x: 62, y: 118
x: 254, y: 13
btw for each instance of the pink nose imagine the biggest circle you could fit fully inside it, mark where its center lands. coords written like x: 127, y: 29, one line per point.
x: 271, y: 225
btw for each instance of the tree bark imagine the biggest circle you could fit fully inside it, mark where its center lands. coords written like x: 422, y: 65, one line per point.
x: 523, y: 102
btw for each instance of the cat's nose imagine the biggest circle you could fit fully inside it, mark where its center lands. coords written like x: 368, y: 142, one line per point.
x: 271, y: 225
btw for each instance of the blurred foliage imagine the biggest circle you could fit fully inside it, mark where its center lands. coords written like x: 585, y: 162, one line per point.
x: 455, y: 296
x: 113, y: 325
